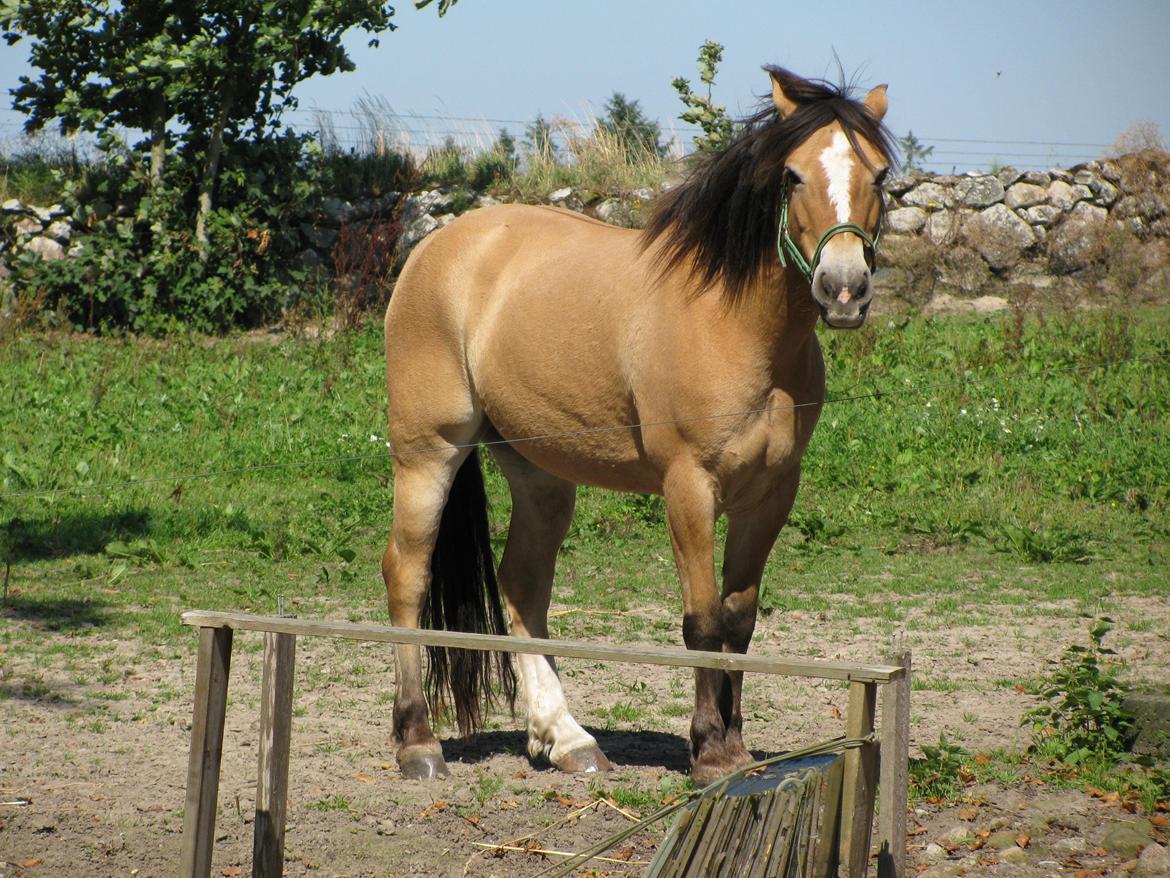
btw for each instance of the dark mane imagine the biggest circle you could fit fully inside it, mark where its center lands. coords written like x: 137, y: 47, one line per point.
x: 724, y: 217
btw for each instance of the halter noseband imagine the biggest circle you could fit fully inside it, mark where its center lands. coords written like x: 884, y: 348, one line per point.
x: 785, y: 244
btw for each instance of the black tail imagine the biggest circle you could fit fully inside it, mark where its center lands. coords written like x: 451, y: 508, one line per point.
x: 464, y: 596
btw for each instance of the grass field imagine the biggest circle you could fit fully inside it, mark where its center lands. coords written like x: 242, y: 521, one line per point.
x: 985, y: 487
x: 224, y: 473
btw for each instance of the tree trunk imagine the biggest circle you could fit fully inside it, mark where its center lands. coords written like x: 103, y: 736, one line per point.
x: 210, y: 173
x: 158, y: 139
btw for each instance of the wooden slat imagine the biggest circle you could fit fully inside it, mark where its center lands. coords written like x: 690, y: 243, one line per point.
x: 681, y: 658
x: 825, y: 855
x: 272, y: 773
x: 860, y: 781
x: 894, y: 778
x: 211, y: 679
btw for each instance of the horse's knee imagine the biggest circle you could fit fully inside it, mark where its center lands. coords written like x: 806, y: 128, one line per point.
x: 738, y: 619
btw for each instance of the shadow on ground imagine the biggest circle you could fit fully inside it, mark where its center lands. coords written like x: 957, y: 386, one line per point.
x: 623, y: 748
x: 74, y: 533
x: 55, y: 614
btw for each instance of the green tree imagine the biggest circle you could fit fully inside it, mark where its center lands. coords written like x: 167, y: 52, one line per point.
x: 625, y: 120
x: 201, y: 73
x: 914, y: 152
x: 701, y: 110
x: 538, y: 140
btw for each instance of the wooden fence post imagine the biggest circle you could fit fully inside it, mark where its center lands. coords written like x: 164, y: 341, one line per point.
x: 211, y: 679
x: 272, y: 770
x: 894, y: 781
x: 860, y: 781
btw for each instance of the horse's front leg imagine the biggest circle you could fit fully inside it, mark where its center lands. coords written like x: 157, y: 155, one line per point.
x: 751, y: 533
x: 690, y: 512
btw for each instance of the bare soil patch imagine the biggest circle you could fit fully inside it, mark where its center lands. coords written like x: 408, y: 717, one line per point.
x: 94, y: 735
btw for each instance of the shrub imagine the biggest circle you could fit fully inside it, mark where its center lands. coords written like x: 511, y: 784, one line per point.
x: 1082, y: 715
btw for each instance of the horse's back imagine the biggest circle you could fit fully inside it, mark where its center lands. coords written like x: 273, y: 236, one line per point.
x: 525, y: 315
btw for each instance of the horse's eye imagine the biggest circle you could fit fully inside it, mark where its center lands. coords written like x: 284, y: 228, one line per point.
x: 793, y: 177
x: 880, y: 179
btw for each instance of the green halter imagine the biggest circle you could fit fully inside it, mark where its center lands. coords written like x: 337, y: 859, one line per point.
x: 785, y: 244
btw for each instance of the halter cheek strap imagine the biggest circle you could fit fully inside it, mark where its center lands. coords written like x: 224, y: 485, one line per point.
x: 786, y: 247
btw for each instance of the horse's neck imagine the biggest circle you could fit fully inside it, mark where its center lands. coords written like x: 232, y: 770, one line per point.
x: 778, y: 311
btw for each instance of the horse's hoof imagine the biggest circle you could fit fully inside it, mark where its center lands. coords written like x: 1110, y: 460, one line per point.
x: 584, y: 760
x: 422, y: 762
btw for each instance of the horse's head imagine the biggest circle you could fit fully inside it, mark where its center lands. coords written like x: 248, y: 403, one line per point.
x: 831, y: 201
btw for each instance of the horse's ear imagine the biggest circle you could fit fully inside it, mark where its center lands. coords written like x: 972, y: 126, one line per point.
x: 877, y: 102
x: 784, y: 104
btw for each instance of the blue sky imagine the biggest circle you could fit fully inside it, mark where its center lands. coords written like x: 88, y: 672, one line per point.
x: 1045, y: 73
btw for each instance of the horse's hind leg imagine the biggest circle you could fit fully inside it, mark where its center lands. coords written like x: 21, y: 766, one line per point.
x: 421, y: 485
x: 542, y: 511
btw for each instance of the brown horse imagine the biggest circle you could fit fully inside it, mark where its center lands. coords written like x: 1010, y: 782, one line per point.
x: 547, y: 335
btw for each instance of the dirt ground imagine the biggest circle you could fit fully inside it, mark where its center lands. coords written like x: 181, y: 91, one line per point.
x: 93, y: 755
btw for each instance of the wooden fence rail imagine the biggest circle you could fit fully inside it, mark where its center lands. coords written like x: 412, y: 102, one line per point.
x: 869, y: 769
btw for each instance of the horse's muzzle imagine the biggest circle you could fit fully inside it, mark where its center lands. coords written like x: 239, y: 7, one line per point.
x: 843, y: 296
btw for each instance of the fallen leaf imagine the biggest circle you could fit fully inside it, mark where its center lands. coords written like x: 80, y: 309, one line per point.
x: 1019, y: 689
x: 520, y: 775
x: 31, y: 863
x: 386, y: 766
x: 231, y: 872
x: 623, y: 854
x: 1023, y: 839
x: 364, y: 778
x: 919, y: 829
x: 509, y: 805
x: 966, y: 775
x: 982, y: 758
x: 836, y: 712
x: 1160, y: 820
x: 968, y: 813
x: 565, y: 800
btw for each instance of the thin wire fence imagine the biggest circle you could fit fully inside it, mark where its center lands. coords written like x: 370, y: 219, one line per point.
x: 372, y: 124
x: 954, y: 383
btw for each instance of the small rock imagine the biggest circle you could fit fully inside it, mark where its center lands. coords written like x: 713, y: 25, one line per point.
x: 999, y: 235
x: 559, y: 195
x: 486, y: 201
x: 445, y: 220
x: 900, y: 184
x: 1154, y: 862
x: 48, y: 214
x: 1126, y: 838
x: 943, y: 227
x: 934, y: 852
x: 415, y: 232
x: 27, y: 226
x: 1025, y: 195
x: 929, y: 195
x: 1008, y: 176
x: 981, y: 191
x: 1036, y: 178
x: 642, y: 194
x: 60, y: 231
x: 906, y: 220
x: 46, y: 248
x: 1042, y: 215
x: 957, y: 833
x: 1151, y: 729
x: 13, y: 205
x: 337, y: 212
x: 612, y: 211
x: 1074, y: 845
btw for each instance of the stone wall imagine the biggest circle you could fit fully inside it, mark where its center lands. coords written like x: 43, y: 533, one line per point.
x: 1101, y: 225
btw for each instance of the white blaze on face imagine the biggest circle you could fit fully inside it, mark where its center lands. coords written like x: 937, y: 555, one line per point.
x: 837, y: 160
